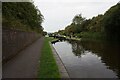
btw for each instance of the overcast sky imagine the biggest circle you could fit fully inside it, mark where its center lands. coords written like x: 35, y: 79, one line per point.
x: 59, y: 13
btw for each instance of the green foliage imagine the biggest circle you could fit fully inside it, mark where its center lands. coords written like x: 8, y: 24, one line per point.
x: 70, y: 29
x: 44, y: 33
x: 95, y: 24
x: 78, y: 19
x: 84, y: 26
x: 93, y: 35
x: 21, y: 15
x: 78, y: 35
x: 111, y: 23
x: 77, y: 26
x: 61, y: 32
x: 105, y: 26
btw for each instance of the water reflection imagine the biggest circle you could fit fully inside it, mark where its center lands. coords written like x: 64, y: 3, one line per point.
x: 109, y: 52
x: 77, y: 49
x: 94, y: 59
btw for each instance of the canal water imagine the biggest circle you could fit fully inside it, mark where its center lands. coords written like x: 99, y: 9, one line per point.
x: 89, y: 59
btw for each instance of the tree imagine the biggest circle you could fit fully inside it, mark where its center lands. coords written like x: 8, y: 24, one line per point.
x: 21, y: 15
x: 61, y: 32
x: 78, y: 19
x: 95, y: 24
x: 111, y: 23
x: 70, y: 29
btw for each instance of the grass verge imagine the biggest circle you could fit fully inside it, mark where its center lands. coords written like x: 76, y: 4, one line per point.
x: 52, y: 39
x: 48, y: 67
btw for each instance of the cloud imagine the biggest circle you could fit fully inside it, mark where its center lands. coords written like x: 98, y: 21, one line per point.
x: 59, y: 13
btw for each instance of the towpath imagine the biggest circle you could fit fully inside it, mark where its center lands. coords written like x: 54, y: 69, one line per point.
x: 25, y: 64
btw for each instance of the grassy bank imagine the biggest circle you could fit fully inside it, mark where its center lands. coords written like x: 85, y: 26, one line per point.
x: 52, y: 39
x: 48, y: 67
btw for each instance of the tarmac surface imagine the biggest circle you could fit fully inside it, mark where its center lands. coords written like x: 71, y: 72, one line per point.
x: 24, y: 64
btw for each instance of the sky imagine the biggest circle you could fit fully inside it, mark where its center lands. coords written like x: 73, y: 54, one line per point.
x: 59, y: 13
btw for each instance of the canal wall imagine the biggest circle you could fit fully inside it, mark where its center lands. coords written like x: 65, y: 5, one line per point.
x: 62, y: 69
x: 14, y: 41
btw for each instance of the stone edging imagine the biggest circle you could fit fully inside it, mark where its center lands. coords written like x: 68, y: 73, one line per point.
x: 62, y: 69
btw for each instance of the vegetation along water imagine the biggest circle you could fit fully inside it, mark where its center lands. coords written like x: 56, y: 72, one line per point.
x: 102, y: 27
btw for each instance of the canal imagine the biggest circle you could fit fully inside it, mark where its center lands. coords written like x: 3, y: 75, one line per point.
x: 89, y: 59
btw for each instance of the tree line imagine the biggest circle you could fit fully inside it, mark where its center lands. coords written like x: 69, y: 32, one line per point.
x: 21, y: 16
x: 104, y: 27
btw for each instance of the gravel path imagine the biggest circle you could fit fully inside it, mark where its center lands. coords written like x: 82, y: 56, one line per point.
x: 25, y: 64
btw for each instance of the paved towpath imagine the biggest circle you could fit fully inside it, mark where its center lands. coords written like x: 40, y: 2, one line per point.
x: 25, y: 64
